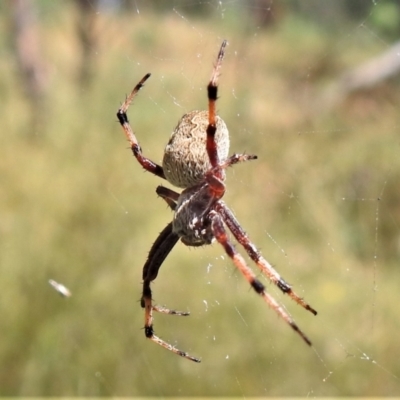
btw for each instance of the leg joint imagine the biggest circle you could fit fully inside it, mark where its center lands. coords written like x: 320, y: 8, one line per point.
x: 212, y: 92
x: 284, y: 286
x: 148, y: 331
x: 122, y: 118
x: 257, y: 286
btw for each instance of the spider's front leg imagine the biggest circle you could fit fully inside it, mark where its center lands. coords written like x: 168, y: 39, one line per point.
x: 146, y: 163
x: 158, y: 252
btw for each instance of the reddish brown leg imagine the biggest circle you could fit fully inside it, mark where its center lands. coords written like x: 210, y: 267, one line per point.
x: 212, y: 90
x: 265, y: 267
x: 146, y: 163
x: 221, y: 236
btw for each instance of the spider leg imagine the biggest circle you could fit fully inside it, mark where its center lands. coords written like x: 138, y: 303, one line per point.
x: 146, y: 163
x: 222, y: 237
x: 215, y: 184
x: 265, y: 267
x: 236, y: 158
x: 212, y: 90
x: 158, y: 252
x: 164, y: 243
x: 169, y: 196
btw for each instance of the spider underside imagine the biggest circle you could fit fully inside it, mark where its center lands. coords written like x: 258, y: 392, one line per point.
x: 195, y: 160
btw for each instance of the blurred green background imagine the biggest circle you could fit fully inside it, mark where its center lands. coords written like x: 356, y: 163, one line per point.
x: 321, y: 202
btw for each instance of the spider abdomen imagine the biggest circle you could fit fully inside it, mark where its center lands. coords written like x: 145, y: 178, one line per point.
x: 185, y: 159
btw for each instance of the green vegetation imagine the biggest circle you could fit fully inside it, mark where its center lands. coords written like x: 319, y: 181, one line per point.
x: 77, y: 208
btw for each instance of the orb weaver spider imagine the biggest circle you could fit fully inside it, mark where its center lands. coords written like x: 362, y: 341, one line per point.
x: 195, y: 160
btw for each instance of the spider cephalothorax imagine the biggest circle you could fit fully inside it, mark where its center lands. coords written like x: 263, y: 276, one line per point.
x: 195, y: 159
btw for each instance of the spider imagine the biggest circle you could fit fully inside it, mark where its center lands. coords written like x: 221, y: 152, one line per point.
x: 195, y: 159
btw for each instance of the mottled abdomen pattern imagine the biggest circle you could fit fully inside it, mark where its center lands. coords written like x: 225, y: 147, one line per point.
x: 185, y: 159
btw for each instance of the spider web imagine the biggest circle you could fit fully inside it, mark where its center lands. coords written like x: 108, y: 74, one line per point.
x: 321, y: 203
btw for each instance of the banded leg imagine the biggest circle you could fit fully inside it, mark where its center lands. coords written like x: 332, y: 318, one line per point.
x: 158, y: 252
x: 146, y: 163
x: 237, y: 158
x: 212, y: 91
x: 222, y: 237
x: 265, y: 267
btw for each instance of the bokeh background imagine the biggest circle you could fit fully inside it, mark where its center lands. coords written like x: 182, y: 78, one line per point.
x: 311, y: 87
